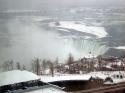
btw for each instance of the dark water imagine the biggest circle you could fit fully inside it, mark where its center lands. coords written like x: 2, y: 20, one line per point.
x: 77, y: 85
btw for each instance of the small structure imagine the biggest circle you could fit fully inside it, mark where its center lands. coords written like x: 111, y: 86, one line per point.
x: 95, y: 81
x: 108, y: 81
x: 17, y: 81
x: 57, y: 23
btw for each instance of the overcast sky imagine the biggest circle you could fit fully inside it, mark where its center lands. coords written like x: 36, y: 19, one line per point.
x: 41, y: 4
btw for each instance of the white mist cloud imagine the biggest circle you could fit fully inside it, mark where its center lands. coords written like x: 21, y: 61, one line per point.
x: 27, y: 39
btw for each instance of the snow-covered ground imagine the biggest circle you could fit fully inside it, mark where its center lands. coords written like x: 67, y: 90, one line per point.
x: 120, y: 47
x: 113, y: 74
x: 16, y: 76
x: 101, y: 74
x: 97, y: 31
x: 64, y: 78
x: 66, y: 30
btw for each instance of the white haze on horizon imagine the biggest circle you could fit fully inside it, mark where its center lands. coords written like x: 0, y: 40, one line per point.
x: 49, y: 4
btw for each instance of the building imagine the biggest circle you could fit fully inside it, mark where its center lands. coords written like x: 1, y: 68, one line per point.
x: 16, y: 79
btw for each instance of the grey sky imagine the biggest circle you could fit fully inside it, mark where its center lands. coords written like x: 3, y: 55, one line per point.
x: 41, y: 4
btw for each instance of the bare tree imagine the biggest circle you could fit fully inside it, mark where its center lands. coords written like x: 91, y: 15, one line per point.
x: 69, y: 62
x: 12, y: 64
x: 52, y: 69
x: 36, y: 65
x: 99, y: 62
x: 32, y: 67
x: 56, y: 61
x: 18, y: 66
x: 8, y: 65
x: 70, y: 59
x: 5, y: 66
x: 44, y: 64
x: 24, y: 67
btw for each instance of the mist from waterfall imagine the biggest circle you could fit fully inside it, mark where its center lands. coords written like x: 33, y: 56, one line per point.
x: 23, y: 39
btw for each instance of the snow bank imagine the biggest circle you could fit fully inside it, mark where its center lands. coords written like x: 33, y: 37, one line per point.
x: 66, y: 30
x: 64, y: 78
x: 99, y: 74
x: 98, y: 31
x: 16, y: 76
x: 104, y: 74
x: 120, y: 47
x: 115, y: 81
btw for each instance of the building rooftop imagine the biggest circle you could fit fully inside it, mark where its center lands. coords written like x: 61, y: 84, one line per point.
x: 16, y: 76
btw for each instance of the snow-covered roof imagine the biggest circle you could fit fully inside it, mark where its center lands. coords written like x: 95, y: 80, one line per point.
x: 64, y: 78
x: 16, y: 76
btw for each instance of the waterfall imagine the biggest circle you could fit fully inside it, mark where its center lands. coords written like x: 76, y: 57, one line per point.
x: 84, y: 47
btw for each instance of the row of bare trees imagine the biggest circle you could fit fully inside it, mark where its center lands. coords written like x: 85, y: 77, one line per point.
x: 39, y: 66
x: 11, y: 65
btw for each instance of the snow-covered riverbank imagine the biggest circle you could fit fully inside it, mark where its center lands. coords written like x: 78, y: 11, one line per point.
x: 115, y: 75
x: 97, y: 31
